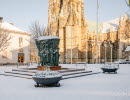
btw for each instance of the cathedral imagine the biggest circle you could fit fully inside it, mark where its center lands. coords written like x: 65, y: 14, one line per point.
x: 66, y: 20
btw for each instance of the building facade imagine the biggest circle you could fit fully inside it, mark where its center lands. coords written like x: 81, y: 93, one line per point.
x: 113, y: 39
x: 66, y: 20
x: 18, y: 50
x: 77, y: 44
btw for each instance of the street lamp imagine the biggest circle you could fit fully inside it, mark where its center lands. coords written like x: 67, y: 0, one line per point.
x: 86, y: 52
x: 111, y: 46
x: 90, y: 43
x: 105, y: 45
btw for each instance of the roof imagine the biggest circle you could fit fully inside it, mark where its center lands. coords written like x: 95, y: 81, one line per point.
x: 10, y: 27
x: 105, y: 27
x: 127, y: 48
x: 111, y: 25
x: 92, y: 26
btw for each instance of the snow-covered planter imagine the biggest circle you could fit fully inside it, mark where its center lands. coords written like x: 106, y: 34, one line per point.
x: 110, y: 68
x: 47, y: 77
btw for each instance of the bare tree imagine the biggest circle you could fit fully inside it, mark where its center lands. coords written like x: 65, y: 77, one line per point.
x: 127, y: 29
x: 4, y: 40
x: 128, y: 3
x: 36, y: 29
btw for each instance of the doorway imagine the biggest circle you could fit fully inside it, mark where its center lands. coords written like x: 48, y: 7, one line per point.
x: 20, y: 57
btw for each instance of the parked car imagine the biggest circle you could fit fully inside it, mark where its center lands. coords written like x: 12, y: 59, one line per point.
x: 122, y: 61
x: 127, y: 61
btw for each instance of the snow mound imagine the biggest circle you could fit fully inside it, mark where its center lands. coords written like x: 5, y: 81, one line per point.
x: 110, y: 66
x: 47, y: 37
x: 47, y: 74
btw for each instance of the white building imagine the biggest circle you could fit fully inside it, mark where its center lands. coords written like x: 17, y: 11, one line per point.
x: 19, y: 49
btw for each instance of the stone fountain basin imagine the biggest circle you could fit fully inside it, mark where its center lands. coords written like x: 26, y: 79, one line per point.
x: 109, y: 70
x: 47, y: 81
x: 47, y: 77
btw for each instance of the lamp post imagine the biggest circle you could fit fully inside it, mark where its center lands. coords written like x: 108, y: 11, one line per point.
x: 99, y: 51
x: 90, y: 43
x: 105, y: 45
x: 77, y: 52
x: 97, y: 35
x: 87, y: 51
x: 111, y: 46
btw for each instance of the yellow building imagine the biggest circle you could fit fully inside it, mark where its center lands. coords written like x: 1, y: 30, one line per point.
x: 77, y: 43
x: 66, y: 20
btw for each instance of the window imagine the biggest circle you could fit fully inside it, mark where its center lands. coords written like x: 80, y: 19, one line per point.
x: 20, y: 41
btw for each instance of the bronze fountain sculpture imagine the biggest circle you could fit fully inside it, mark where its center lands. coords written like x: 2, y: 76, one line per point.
x: 49, y: 60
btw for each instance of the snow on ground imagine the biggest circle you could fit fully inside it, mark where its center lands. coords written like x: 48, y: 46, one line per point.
x: 93, y: 87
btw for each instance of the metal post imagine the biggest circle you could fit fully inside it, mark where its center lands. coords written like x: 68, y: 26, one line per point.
x: 111, y: 51
x: 111, y: 54
x: 105, y: 45
x: 71, y: 36
x: 86, y: 53
x: 71, y: 45
x: 77, y: 53
x: 105, y: 54
x: 97, y: 36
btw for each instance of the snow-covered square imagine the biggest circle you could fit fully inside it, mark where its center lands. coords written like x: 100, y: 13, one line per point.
x: 100, y: 86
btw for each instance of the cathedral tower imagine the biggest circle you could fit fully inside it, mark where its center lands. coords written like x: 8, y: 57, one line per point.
x: 66, y: 20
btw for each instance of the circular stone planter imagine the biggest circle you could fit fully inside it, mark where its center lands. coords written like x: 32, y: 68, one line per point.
x: 47, y: 78
x: 110, y: 68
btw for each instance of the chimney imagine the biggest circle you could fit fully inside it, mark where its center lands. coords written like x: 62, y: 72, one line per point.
x: 1, y: 18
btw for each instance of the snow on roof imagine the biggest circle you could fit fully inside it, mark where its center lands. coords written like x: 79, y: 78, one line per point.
x: 9, y: 26
x: 111, y: 25
x: 47, y: 37
x: 92, y: 25
x: 128, y: 48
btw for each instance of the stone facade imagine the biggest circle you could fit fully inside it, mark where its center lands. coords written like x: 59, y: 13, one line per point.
x: 66, y: 20
x: 118, y: 39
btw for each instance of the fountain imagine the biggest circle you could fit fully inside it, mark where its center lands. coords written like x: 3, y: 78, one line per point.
x: 48, y: 52
x: 49, y: 61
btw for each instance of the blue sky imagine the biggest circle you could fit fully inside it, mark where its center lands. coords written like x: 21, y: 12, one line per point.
x: 23, y: 12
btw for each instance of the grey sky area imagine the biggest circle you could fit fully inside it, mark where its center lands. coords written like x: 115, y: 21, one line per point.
x: 23, y: 12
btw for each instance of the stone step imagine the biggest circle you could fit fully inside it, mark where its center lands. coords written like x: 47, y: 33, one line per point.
x: 73, y: 73
x: 31, y: 74
x: 23, y: 70
x: 65, y: 76
x: 71, y: 70
x: 61, y: 71
x: 20, y: 73
x: 27, y: 73
x: 14, y: 75
x: 79, y: 75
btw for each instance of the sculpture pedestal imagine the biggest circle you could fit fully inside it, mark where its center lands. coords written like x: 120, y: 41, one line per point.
x: 53, y: 68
